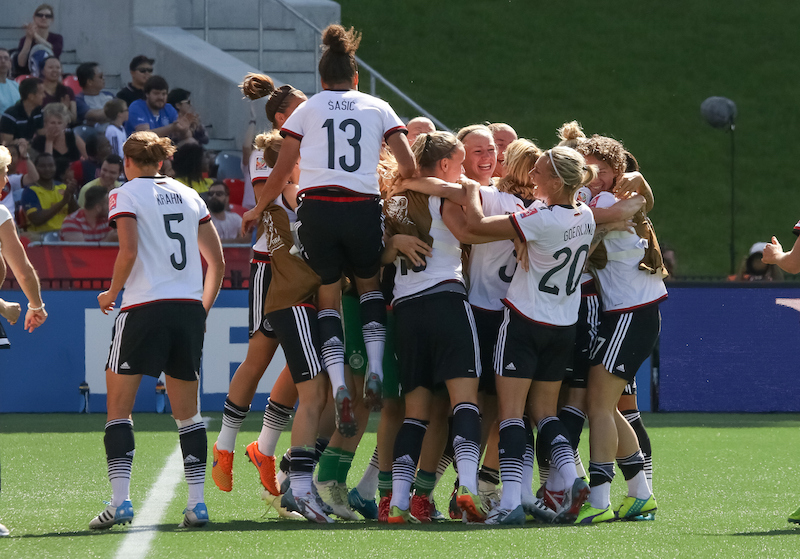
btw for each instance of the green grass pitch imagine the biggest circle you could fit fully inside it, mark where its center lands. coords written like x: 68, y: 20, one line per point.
x: 724, y: 483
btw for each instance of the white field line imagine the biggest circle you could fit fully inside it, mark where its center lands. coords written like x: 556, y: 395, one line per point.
x: 136, y: 544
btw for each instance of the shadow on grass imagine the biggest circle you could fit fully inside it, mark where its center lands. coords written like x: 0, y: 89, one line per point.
x: 781, y: 532
x: 285, y: 526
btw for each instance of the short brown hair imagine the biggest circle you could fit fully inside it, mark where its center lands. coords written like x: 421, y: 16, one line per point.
x: 112, y: 109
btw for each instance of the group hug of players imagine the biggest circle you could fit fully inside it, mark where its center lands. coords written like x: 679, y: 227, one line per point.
x: 522, y: 286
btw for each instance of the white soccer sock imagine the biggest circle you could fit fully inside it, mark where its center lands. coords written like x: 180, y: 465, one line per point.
x: 368, y: 486
x: 120, y: 490
x: 600, y: 496
x: 638, y: 486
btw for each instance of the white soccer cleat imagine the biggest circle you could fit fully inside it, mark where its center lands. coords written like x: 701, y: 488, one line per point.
x: 195, y: 518
x: 334, y: 495
x: 122, y: 514
x: 309, y: 507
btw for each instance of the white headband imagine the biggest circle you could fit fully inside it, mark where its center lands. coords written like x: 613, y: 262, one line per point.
x: 553, y: 163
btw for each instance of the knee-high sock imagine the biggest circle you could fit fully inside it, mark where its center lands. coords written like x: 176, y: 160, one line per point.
x: 276, y: 417
x: 467, y: 443
x: 194, y: 447
x: 635, y: 419
x: 512, y: 449
x: 120, y: 448
x: 373, y: 327
x: 331, y: 337
x: 561, y: 455
x: 232, y: 418
x: 407, y: 448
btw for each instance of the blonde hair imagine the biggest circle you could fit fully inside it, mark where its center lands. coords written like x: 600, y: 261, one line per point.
x: 479, y: 128
x: 571, y: 134
x: 501, y: 126
x: 56, y: 110
x: 270, y: 143
x: 521, y: 156
x: 147, y: 149
x: 570, y: 166
x: 5, y: 158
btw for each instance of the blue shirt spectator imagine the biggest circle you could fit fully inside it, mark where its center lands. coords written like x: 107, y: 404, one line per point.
x: 153, y: 112
x: 9, y: 90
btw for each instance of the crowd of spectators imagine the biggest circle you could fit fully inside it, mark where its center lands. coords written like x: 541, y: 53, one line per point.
x: 65, y: 135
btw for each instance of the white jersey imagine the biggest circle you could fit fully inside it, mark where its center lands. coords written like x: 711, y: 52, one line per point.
x: 168, y: 214
x: 558, y: 240
x: 259, y: 171
x: 492, y: 265
x: 341, y: 133
x: 444, y: 264
x: 5, y: 215
x: 622, y: 285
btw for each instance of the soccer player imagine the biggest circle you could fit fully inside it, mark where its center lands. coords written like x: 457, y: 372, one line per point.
x: 628, y: 330
x: 263, y: 342
x: 12, y: 251
x: 788, y: 262
x: 164, y: 227
x: 534, y: 346
x: 338, y: 133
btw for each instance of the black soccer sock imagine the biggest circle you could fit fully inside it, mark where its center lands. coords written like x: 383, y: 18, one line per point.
x: 561, y: 454
x: 301, y: 471
x: 573, y: 420
x: 276, y: 417
x: 407, y: 448
x: 631, y: 465
x: 194, y: 447
x: 512, y: 450
x: 600, y: 473
x: 319, y: 447
x: 635, y: 419
x: 543, y: 458
x: 120, y: 449
x: 467, y: 443
x: 331, y: 337
x: 373, y: 328
x: 489, y: 475
x: 232, y: 418
x: 528, y: 457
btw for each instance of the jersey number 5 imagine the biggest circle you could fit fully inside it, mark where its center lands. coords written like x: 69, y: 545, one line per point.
x: 168, y: 219
x: 572, y: 282
x: 353, y: 141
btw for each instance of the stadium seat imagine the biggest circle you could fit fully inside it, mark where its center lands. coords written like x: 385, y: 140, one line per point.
x: 19, y: 79
x: 236, y: 189
x: 229, y: 165
x: 236, y: 208
x: 85, y: 132
x: 72, y: 82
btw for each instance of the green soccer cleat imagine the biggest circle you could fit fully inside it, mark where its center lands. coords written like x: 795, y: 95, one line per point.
x: 637, y: 509
x: 591, y: 515
x: 471, y: 504
x: 794, y: 518
x: 400, y: 516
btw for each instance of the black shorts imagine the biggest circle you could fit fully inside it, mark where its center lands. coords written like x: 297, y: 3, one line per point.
x: 159, y: 337
x: 338, y: 234
x: 585, y: 334
x: 260, y: 277
x: 531, y: 350
x: 435, y: 341
x: 298, y: 334
x: 4, y: 343
x: 625, y: 340
x: 487, y: 324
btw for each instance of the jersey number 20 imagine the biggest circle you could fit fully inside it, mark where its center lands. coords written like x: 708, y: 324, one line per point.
x: 353, y: 141
x: 572, y: 282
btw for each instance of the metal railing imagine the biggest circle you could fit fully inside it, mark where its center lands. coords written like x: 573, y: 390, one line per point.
x: 375, y: 76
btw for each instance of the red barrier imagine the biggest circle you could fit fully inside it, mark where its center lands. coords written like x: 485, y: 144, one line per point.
x: 87, y: 265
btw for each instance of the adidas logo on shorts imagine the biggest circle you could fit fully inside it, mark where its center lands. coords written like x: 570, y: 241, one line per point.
x: 510, y: 367
x: 125, y: 366
x: 620, y: 368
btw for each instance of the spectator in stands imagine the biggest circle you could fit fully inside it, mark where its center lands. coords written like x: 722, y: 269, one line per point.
x: 141, y: 69
x: 108, y: 179
x: 93, y: 98
x: 754, y: 268
x: 227, y: 223
x: 56, y: 138
x: 24, y: 118
x: 179, y: 98
x: 90, y: 223
x: 188, y: 163
x: 55, y: 91
x: 48, y: 202
x: 97, y: 149
x: 417, y: 126
x: 38, y: 42
x: 9, y: 90
x: 117, y: 114
x: 153, y: 113
x: 11, y: 193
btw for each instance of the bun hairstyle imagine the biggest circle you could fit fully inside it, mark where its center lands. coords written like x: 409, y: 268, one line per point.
x: 338, y: 61
x: 270, y: 143
x: 571, y: 134
x: 521, y: 156
x: 570, y: 166
x: 429, y: 149
x: 607, y: 150
x: 147, y: 149
x: 256, y: 86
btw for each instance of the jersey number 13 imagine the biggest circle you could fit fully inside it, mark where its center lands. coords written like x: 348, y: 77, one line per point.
x: 349, y: 126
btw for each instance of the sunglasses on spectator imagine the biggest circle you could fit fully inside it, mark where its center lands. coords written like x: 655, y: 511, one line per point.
x: 217, y: 194
x: 145, y: 70
x: 45, y: 16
